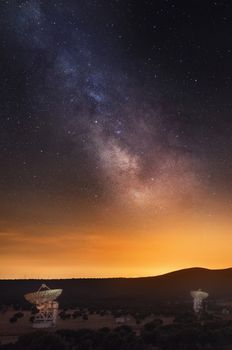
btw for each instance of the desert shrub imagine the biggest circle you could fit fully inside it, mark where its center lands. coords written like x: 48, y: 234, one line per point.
x: 64, y: 316
x: 150, y: 326
x: 76, y: 314
x: 13, y: 319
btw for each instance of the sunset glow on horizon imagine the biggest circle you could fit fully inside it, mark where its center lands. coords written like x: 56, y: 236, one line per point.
x: 115, y: 252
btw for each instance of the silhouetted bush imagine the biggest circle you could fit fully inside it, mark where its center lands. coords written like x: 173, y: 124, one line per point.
x: 63, y: 315
x: 150, y: 326
x: 76, y: 314
x: 41, y: 341
x: 13, y: 319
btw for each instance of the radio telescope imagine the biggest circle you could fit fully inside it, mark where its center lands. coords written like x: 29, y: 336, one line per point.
x: 44, y: 300
x: 198, y: 297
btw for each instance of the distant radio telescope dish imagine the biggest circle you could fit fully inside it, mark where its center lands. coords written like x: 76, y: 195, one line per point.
x: 44, y: 300
x: 198, y: 297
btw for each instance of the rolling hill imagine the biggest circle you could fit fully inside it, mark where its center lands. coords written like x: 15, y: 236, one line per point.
x: 174, y: 286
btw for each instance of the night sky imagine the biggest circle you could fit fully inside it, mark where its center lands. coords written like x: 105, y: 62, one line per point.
x: 115, y: 137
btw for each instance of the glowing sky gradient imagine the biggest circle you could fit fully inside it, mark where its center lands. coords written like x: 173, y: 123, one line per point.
x: 116, y: 144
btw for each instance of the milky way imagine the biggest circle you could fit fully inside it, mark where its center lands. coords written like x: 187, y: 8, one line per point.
x: 110, y: 107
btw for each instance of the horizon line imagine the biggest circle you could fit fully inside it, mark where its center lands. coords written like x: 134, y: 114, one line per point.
x: 111, y: 277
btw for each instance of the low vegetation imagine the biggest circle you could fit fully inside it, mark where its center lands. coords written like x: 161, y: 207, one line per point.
x: 185, y: 333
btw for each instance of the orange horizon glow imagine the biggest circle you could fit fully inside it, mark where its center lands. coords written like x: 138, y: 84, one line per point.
x: 159, y: 247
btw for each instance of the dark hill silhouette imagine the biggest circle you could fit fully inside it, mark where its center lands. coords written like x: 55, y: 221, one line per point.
x: 173, y: 286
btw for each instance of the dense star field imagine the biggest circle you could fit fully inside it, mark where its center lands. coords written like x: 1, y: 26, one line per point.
x: 115, y: 136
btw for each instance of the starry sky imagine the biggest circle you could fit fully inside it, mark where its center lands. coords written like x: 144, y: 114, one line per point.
x: 115, y: 137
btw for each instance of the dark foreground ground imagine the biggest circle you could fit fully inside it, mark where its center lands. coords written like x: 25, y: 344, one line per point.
x: 153, y: 313
x: 101, y: 329
x: 185, y: 333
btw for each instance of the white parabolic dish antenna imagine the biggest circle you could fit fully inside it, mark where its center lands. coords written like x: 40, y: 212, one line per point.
x: 198, y: 297
x: 43, y: 294
x: 44, y: 300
